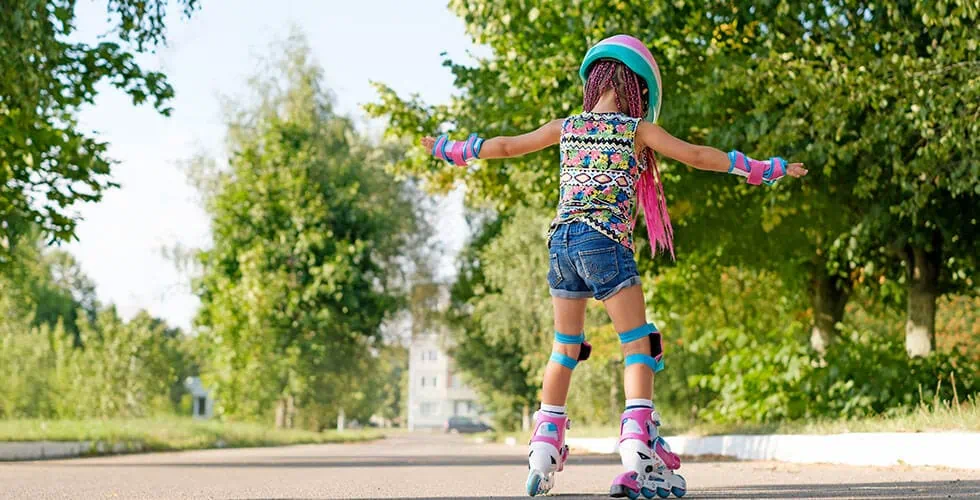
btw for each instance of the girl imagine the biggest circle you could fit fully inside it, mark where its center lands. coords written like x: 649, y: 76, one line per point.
x: 607, y: 163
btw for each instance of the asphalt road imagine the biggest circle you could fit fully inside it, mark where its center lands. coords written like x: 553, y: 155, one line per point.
x: 436, y: 466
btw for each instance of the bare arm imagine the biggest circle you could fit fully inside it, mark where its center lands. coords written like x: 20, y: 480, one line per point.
x: 699, y: 157
x: 519, y: 145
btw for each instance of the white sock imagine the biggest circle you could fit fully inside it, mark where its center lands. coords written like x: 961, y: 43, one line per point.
x: 638, y: 403
x: 558, y: 411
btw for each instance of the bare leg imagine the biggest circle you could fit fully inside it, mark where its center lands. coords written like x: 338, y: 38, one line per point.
x: 627, y: 311
x: 570, y: 320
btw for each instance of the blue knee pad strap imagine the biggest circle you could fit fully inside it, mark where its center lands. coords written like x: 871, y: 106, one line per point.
x: 583, y: 353
x: 637, y: 333
x: 561, y: 338
x: 655, y: 360
x: 654, y: 364
x: 566, y: 361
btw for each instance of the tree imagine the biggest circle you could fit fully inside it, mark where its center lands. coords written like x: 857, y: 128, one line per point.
x: 47, y: 164
x: 533, y: 77
x: 814, y: 81
x: 894, y: 92
x: 121, y: 370
x: 505, y: 383
x: 48, y: 286
x: 308, y: 230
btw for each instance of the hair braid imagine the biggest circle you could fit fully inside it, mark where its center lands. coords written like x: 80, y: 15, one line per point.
x: 628, y: 86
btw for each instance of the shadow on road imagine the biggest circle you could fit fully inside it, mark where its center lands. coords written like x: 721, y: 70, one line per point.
x: 357, y: 461
x: 918, y: 490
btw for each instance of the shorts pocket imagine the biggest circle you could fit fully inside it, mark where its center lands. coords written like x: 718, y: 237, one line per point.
x: 599, y: 265
x: 554, y: 272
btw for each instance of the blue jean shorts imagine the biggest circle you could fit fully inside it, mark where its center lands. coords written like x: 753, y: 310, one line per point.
x: 585, y: 263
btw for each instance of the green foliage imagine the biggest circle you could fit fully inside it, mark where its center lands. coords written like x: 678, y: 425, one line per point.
x: 124, y: 370
x: 706, y: 310
x: 492, y: 366
x: 863, y: 376
x: 879, y: 100
x: 47, y: 164
x: 392, y: 363
x: 308, y: 234
x: 49, y: 287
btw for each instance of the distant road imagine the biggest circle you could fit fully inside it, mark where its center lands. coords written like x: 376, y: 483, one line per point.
x: 437, y: 466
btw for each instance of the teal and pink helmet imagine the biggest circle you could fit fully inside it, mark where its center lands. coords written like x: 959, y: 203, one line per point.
x: 635, y: 55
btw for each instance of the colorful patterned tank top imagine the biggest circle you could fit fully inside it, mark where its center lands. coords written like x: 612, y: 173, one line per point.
x: 599, y: 174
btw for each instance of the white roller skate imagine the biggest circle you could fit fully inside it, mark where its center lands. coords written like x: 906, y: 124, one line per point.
x: 548, y: 452
x: 649, y: 463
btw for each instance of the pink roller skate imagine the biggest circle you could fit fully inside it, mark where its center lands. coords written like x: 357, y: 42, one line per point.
x: 548, y: 452
x: 649, y: 463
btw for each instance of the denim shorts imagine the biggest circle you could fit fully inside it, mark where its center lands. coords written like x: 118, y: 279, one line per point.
x: 585, y: 263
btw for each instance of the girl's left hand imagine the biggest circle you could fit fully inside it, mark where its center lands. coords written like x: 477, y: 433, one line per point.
x: 428, y: 142
x: 793, y: 169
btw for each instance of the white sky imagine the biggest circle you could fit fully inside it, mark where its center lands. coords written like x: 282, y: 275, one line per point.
x: 397, y: 42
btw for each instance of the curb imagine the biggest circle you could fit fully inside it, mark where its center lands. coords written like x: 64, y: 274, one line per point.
x: 942, y: 449
x: 42, y: 450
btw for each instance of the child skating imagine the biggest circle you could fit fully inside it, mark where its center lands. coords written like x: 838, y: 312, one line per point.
x: 607, y: 167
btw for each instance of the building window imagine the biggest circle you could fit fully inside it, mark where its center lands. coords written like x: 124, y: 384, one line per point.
x: 429, y: 409
x: 433, y: 355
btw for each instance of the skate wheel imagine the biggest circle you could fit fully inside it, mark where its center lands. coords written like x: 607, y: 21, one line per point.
x: 647, y: 492
x: 622, y: 491
x: 678, y: 492
x: 533, y: 484
x: 663, y: 492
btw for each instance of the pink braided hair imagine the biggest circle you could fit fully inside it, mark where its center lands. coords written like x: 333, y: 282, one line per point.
x: 608, y: 74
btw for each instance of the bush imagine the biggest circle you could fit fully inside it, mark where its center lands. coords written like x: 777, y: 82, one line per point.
x: 123, y: 369
x: 860, y: 376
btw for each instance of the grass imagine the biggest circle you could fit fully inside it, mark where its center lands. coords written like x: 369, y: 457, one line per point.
x: 937, y: 418
x: 171, y: 433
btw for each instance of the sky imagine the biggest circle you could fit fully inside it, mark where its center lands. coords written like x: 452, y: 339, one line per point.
x: 121, y: 238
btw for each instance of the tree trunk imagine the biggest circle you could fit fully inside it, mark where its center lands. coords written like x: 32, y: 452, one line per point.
x: 828, y: 296
x: 922, y: 266
x: 290, y: 411
x: 280, y: 413
x: 341, y: 423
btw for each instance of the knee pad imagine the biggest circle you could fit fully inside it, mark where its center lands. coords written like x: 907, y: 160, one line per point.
x: 568, y: 361
x: 655, y: 360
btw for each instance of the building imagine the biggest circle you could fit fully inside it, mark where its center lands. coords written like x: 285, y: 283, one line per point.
x: 202, y: 404
x: 435, y: 391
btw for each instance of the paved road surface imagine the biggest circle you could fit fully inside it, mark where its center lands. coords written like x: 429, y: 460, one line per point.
x: 435, y: 466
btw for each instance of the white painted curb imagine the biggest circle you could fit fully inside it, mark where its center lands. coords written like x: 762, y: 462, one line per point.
x: 944, y: 449
x: 40, y: 450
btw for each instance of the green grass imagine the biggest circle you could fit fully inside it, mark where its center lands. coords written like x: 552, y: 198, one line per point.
x: 938, y: 418
x: 172, y: 433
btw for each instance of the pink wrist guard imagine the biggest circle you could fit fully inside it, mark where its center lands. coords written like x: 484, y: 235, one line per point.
x: 457, y: 152
x: 757, y: 171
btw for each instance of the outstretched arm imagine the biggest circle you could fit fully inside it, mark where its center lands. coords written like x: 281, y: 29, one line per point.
x: 509, y: 147
x: 699, y: 157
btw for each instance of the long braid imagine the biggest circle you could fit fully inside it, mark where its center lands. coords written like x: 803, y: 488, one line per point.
x: 607, y: 74
x: 600, y: 80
